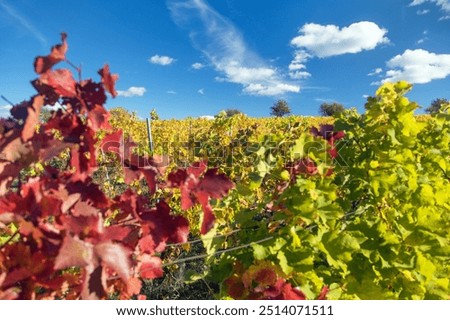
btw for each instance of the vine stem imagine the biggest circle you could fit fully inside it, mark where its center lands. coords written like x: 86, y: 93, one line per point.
x: 4, y: 98
x: 78, y: 69
x: 215, y: 253
x: 201, y: 256
x: 200, y: 240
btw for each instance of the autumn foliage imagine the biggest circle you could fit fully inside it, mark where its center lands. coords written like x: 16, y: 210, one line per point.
x: 72, y: 240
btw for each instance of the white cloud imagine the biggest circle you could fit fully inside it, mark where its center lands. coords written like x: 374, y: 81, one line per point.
x: 207, y: 117
x: 132, y: 92
x: 324, y: 41
x: 329, y: 40
x: 270, y: 90
x: 443, y: 4
x: 239, y: 74
x: 300, y: 58
x: 326, y: 100
x: 424, y: 38
x: 223, y: 45
x: 298, y: 64
x: 161, y: 60
x: 197, y: 66
x: 418, y: 66
x: 171, y: 92
x: 375, y: 72
x: 201, y: 91
x: 4, y: 110
x: 422, y: 12
x: 299, y: 74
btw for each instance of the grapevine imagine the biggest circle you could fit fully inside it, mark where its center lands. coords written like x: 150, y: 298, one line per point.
x: 352, y: 207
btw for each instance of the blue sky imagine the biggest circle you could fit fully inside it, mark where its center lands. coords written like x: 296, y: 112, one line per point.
x: 197, y: 57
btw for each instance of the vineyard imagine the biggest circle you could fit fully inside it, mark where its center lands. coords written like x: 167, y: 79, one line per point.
x: 351, y: 207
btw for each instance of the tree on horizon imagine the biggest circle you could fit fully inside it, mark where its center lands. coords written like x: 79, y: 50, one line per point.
x: 329, y: 109
x: 280, y: 108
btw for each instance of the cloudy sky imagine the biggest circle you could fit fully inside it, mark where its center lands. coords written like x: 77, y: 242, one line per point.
x: 197, y: 57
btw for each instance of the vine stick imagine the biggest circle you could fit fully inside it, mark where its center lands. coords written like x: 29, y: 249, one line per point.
x: 200, y: 240
x: 216, y: 253
x: 201, y: 256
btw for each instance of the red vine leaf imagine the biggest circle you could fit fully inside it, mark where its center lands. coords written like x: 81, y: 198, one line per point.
x: 304, y: 166
x: 215, y: 185
x: 94, y: 284
x: 290, y: 293
x: 74, y: 253
x: 235, y: 287
x: 92, y: 94
x: 162, y: 226
x: 98, y: 118
x: 147, y: 245
x: 134, y: 286
x: 57, y: 54
x: 151, y: 268
x: 34, y: 109
x: 61, y: 81
x: 327, y: 132
x: 113, y: 143
x: 81, y: 226
x: 323, y: 293
x: 198, y: 188
x: 116, y: 257
x: 108, y: 80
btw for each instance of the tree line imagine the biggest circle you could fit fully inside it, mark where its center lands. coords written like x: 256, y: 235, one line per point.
x: 281, y: 108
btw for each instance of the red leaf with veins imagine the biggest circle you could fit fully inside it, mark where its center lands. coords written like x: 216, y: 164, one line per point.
x: 151, y: 268
x: 51, y: 97
x: 61, y: 81
x: 208, y: 215
x: 215, y: 185
x: 89, y: 191
x: 113, y: 143
x: 127, y: 203
x: 84, y: 209
x: 198, y: 188
x: 303, y: 166
x: 34, y: 109
x: 20, y: 111
x: 235, y: 287
x: 135, y: 167
x: 116, y: 233
x: 116, y: 257
x: 57, y: 54
x: 197, y: 168
x: 108, y: 80
x: 327, y: 132
x: 177, y: 178
x: 162, y: 226
x: 134, y: 286
x: 92, y: 93
x: 147, y: 245
x: 74, y: 252
x: 290, y: 293
x: 98, y: 118
x: 94, y: 284
x: 81, y: 225
x: 323, y: 293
